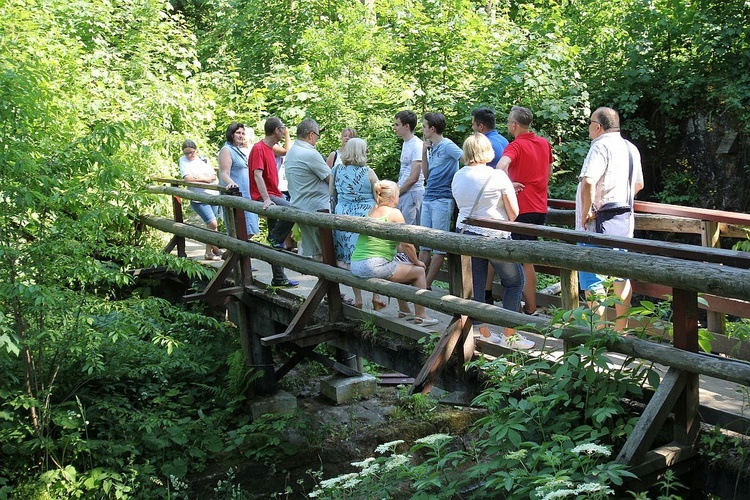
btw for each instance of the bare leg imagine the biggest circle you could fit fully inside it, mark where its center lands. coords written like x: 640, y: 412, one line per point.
x: 212, y: 249
x: 529, y: 289
x: 411, y: 275
x: 357, y: 292
x: 624, y: 292
x: 425, y: 257
x: 434, y: 268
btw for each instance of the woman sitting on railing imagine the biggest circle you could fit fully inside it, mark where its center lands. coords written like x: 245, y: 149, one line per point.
x: 194, y: 168
x: 375, y: 257
x: 482, y: 191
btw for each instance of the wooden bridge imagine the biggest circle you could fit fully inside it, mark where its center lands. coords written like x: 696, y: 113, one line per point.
x: 266, y: 320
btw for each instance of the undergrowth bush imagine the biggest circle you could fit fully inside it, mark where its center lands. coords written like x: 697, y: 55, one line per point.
x: 549, y: 432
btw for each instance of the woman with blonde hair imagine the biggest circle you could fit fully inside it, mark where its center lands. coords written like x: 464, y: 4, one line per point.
x: 352, y: 185
x: 375, y: 257
x: 482, y: 191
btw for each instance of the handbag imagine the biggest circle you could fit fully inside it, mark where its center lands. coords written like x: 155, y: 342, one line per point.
x: 335, y: 195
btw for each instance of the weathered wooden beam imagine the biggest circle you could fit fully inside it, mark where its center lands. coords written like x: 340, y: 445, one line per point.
x: 671, y: 249
x: 653, y: 417
x: 695, y: 276
x: 308, y: 308
x: 663, y: 457
x: 310, y: 331
x: 738, y: 372
x: 457, y: 329
x: 323, y: 360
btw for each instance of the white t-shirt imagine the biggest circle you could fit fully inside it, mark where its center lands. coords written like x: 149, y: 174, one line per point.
x: 466, y: 185
x: 197, y: 167
x: 411, y: 152
x: 608, y: 165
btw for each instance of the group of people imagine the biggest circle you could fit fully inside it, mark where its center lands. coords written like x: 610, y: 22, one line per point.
x: 500, y: 180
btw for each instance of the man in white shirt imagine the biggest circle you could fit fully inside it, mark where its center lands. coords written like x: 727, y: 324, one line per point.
x: 610, y: 178
x: 410, y: 176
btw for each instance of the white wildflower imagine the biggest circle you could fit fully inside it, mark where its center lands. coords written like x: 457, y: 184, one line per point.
x: 364, y: 463
x: 434, y: 438
x: 314, y: 493
x: 372, y: 469
x: 351, y: 483
x: 516, y: 455
x: 330, y: 483
x: 594, y: 488
x: 530, y: 389
x: 389, y: 446
x: 396, y: 461
x: 559, y: 494
x: 590, y: 449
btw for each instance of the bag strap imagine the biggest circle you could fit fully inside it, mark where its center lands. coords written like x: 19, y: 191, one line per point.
x: 476, y: 201
x: 630, y: 177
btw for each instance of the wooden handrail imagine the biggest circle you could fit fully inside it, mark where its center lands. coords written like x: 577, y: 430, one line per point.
x: 182, y: 182
x: 717, y: 279
x: 714, y: 366
x: 676, y: 250
x: 648, y: 207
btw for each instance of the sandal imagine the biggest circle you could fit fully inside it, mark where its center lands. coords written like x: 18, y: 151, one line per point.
x: 211, y: 257
x: 407, y: 315
x: 426, y: 321
x: 377, y: 305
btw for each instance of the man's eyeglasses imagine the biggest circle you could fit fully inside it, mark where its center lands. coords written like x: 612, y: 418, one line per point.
x: 317, y: 134
x: 189, y: 152
x: 589, y: 121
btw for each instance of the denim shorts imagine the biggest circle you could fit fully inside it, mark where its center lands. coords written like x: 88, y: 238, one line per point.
x: 207, y: 212
x: 375, y: 267
x: 437, y: 214
x: 591, y: 281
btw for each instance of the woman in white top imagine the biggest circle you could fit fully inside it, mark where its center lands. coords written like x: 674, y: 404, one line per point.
x: 482, y: 191
x: 194, y: 168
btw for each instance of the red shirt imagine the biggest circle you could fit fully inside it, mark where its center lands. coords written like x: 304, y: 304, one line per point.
x: 530, y: 158
x: 263, y: 158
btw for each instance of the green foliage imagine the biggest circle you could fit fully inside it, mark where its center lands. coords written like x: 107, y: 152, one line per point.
x: 549, y: 430
x: 412, y: 406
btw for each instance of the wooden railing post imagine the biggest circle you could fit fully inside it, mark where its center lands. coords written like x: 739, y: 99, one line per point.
x: 710, y: 237
x: 460, y: 284
x: 239, y: 229
x: 335, y: 307
x: 568, y: 295
x: 178, y: 241
x: 685, y: 322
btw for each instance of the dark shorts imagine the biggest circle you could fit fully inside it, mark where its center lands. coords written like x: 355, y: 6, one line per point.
x: 529, y: 218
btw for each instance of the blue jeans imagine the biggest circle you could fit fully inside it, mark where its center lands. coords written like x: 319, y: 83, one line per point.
x: 437, y: 214
x: 511, y: 277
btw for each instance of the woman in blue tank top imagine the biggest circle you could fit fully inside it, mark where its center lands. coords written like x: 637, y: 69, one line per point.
x: 233, y: 170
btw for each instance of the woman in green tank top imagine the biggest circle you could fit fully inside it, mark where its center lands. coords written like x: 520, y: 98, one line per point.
x: 375, y: 257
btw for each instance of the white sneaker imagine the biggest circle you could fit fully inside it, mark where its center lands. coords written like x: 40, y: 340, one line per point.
x: 494, y: 338
x: 516, y: 341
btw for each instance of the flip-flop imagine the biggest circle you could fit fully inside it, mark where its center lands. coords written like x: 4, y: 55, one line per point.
x: 425, y: 321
